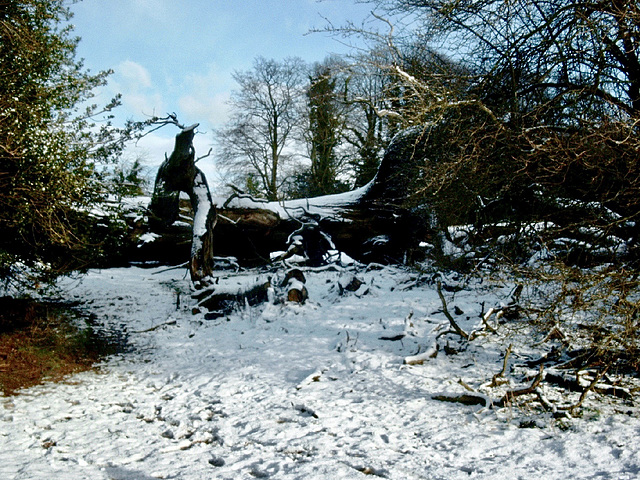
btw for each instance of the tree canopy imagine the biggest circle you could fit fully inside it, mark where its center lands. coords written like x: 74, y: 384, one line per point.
x: 537, y: 116
x: 50, y: 144
x: 566, y: 55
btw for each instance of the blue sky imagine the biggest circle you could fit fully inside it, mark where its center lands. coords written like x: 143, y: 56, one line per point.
x: 179, y: 55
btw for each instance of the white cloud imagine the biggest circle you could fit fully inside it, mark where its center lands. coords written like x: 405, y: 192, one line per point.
x: 133, y: 76
x: 141, y: 97
x: 201, y: 107
x: 141, y: 104
x: 205, y: 96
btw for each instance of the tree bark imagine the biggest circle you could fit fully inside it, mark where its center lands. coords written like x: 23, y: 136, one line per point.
x: 178, y: 173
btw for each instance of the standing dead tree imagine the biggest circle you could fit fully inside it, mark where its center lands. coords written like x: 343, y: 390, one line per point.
x: 178, y: 173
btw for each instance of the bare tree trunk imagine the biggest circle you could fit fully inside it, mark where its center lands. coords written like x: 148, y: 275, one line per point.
x: 178, y: 173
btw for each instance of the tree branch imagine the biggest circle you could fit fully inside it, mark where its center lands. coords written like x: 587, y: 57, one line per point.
x: 512, y: 394
x: 445, y: 310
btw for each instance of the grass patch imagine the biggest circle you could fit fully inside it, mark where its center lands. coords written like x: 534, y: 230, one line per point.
x: 46, y: 341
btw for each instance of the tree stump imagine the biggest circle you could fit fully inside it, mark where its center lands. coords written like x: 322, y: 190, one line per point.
x: 294, y: 281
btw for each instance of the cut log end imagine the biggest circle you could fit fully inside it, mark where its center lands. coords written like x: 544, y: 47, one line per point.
x: 297, y: 295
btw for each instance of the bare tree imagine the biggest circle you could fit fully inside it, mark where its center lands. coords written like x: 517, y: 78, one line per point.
x: 257, y: 142
x: 562, y: 56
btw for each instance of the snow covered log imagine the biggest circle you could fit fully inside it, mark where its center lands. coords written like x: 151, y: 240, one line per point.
x: 178, y: 173
x: 220, y: 300
x: 294, y: 282
x: 367, y: 231
x: 370, y: 224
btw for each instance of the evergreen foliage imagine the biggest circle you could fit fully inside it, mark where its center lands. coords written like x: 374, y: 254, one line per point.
x: 325, y: 125
x: 50, y: 143
x: 129, y: 180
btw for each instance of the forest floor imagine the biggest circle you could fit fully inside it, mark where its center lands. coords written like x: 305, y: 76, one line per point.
x: 348, y: 385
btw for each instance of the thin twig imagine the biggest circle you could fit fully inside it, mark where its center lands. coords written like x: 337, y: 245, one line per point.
x: 486, y: 317
x: 494, y: 381
x: 203, y: 156
x: 155, y: 327
x: 591, y: 386
x: 465, y: 385
x: 176, y: 267
x: 445, y: 310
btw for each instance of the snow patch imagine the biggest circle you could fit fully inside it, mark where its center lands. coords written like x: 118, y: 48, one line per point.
x: 288, y: 391
x: 147, y: 238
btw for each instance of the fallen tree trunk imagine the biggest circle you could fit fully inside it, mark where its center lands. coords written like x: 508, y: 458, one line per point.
x: 366, y: 232
x: 371, y: 224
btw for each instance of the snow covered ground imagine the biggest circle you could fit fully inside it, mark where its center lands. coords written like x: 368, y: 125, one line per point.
x: 286, y: 391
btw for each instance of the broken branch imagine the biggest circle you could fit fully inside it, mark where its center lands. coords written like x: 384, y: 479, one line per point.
x: 494, y: 381
x: 512, y: 394
x: 583, y: 395
x: 445, y: 310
